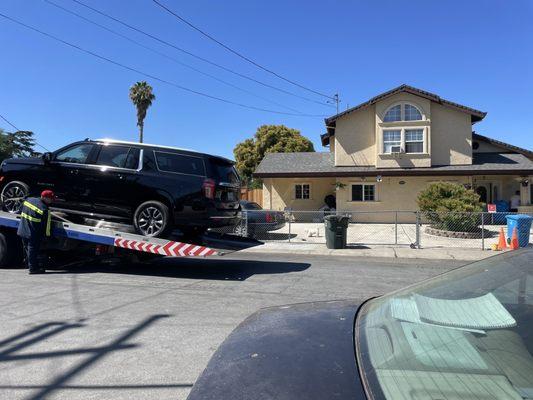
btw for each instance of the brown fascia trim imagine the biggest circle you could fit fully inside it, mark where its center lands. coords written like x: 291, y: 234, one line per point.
x: 391, y: 173
x: 477, y: 115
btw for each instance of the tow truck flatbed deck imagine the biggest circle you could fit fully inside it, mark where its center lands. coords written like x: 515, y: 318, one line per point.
x: 209, y: 244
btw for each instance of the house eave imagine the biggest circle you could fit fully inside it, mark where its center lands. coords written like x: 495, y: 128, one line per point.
x: 388, y: 172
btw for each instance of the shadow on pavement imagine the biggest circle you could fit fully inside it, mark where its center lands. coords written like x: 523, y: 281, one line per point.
x: 193, y: 268
x: 10, y: 352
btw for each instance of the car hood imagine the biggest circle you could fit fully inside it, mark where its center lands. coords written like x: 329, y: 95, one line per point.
x: 24, y: 160
x: 303, y: 351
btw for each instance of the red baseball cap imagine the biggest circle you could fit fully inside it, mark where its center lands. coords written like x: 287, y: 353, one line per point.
x: 48, y: 194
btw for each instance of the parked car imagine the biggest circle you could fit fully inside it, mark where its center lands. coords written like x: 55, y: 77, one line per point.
x: 155, y: 188
x: 466, y: 334
x: 256, y: 221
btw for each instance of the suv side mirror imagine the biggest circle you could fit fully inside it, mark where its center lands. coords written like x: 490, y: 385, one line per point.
x: 47, y: 157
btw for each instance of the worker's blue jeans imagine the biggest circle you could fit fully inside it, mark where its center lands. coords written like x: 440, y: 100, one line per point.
x: 31, y: 252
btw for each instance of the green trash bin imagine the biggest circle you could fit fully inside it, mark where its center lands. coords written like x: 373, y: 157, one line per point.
x: 336, y: 227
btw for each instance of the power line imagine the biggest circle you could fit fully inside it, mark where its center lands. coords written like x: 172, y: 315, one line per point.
x: 13, y: 126
x: 18, y: 130
x: 197, y: 56
x: 147, y: 74
x: 167, y: 56
x: 240, y: 54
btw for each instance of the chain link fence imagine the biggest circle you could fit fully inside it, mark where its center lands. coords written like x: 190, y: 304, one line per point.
x: 370, y: 228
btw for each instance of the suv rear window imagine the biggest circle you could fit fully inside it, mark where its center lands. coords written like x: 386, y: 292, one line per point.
x: 180, y: 163
x: 224, y: 171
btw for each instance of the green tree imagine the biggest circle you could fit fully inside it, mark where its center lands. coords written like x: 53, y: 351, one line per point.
x: 268, y: 139
x: 449, y: 206
x: 16, y: 144
x: 142, y: 97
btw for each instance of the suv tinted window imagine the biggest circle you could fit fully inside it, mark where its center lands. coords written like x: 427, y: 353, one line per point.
x: 118, y: 156
x: 180, y: 163
x: 224, y: 171
x: 77, y: 154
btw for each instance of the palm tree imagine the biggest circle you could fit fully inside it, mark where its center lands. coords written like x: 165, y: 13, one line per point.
x: 141, y: 95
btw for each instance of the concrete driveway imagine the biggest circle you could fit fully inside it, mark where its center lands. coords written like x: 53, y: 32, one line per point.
x: 148, y: 331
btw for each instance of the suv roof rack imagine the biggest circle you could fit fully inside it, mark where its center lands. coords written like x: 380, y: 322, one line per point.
x: 108, y: 140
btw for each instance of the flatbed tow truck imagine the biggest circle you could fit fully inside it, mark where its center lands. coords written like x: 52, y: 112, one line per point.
x: 90, y: 240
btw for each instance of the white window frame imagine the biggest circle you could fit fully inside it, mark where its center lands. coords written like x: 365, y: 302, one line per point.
x: 405, y: 141
x: 402, y: 105
x: 302, y: 184
x: 402, y: 138
x: 363, y: 200
x: 399, y: 142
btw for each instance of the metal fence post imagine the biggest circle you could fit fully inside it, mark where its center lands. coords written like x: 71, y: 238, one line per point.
x: 396, y: 227
x: 290, y: 221
x: 482, y: 231
x: 417, y: 244
x: 245, y: 230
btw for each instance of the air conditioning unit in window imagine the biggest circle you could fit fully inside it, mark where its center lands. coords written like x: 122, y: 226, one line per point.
x: 396, y: 150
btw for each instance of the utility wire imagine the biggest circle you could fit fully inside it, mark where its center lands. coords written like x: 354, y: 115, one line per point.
x: 240, y: 54
x: 147, y: 74
x: 18, y: 130
x: 13, y: 126
x: 167, y: 56
x: 197, y: 56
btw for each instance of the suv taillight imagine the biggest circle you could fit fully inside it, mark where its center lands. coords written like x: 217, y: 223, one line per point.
x: 269, y: 217
x: 1, y: 178
x: 209, y: 188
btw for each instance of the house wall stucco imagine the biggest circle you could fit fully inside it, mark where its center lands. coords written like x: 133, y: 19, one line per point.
x: 358, y: 138
x: 451, y: 136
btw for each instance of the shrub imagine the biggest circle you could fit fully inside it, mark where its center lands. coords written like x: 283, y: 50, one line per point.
x: 449, y: 206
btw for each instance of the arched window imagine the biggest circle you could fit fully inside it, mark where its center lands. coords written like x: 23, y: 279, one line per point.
x: 393, y: 114
x: 402, y: 112
x: 411, y: 113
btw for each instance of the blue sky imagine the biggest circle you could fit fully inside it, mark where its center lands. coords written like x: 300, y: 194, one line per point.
x: 477, y: 53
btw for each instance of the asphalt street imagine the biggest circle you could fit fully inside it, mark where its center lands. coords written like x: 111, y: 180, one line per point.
x: 148, y: 331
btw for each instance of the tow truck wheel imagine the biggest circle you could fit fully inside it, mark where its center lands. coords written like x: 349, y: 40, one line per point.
x: 10, y: 250
x: 13, y: 195
x: 152, y: 219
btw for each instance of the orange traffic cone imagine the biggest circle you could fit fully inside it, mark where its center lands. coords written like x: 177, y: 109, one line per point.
x: 502, y: 243
x: 514, y: 240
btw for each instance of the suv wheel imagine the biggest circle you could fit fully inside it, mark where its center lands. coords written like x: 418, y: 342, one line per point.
x: 13, y: 196
x: 241, y: 229
x: 151, y: 219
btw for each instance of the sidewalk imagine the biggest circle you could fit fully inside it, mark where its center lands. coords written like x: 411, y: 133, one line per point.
x: 375, y: 251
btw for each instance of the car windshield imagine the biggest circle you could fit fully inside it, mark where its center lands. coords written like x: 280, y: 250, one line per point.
x: 464, y: 335
x: 251, y: 206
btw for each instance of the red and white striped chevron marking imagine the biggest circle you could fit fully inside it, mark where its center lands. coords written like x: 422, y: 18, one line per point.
x: 172, y: 249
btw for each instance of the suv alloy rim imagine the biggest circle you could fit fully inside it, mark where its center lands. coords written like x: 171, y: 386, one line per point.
x: 12, y: 198
x: 151, y: 221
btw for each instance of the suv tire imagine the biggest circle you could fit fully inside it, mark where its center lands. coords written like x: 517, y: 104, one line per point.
x: 152, y: 219
x: 13, y: 195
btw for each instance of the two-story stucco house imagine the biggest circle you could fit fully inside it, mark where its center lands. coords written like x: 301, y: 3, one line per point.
x: 384, y: 151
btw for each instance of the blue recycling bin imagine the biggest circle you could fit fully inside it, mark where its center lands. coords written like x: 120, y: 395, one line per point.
x: 522, y: 223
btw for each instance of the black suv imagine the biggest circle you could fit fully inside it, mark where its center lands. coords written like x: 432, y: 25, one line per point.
x: 156, y: 188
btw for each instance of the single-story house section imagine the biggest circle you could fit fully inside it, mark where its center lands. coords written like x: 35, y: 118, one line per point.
x: 383, y: 152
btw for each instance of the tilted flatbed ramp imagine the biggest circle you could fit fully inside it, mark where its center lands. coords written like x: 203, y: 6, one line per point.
x: 211, y: 243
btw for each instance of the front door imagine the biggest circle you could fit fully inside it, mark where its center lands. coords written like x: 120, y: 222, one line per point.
x: 488, y: 191
x: 483, y: 194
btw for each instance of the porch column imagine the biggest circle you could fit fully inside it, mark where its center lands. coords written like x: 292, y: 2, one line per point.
x: 525, y: 192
